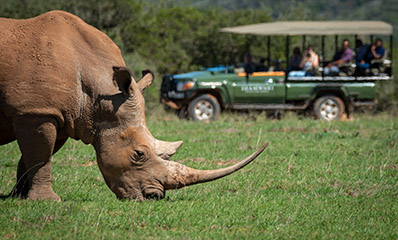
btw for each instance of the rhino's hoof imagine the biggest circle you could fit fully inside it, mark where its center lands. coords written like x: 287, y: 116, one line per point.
x: 40, y: 195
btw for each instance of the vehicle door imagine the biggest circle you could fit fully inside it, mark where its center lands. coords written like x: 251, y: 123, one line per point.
x: 258, y: 89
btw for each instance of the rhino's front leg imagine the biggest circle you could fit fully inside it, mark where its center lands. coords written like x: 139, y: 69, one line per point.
x: 36, y: 138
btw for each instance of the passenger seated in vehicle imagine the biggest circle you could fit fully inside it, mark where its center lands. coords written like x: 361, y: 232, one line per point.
x: 345, y: 55
x: 361, y: 50
x: 261, y: 66
x: 310, y: 61
x: 361, y: 53
x: 366, y: 54
x: 295, y: 60
x: 376, y: 50
x: 249, y: 65
x: 308, y: 65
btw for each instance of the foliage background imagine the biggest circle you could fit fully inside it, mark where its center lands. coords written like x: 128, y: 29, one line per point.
x: 183, y: 35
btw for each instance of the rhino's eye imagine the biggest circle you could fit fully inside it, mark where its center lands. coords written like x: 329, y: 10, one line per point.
x: 139, y: 154
x: 137, y: 157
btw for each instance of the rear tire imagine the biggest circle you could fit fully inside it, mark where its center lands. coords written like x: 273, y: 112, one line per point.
x: 329, y: 108
x: 204, y: 108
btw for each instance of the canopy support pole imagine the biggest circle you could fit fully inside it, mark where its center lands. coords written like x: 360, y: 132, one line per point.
x: 269, y: 51
x: 356, y: 47
x: 287, y: 52
x: 323, y: 54
x: 304, y: 41
x: 336, y: 44
x: 356, y: 38
x: 371, y: 39
x: 391, y: 50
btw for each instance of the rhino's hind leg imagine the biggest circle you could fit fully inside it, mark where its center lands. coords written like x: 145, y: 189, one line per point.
x: 22, y: 187
x: 36, y: 138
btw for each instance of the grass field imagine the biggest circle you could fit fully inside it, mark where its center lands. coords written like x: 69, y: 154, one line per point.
x: 315, y: 180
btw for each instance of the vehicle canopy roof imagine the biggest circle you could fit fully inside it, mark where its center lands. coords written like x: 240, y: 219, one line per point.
x: 314, y: 28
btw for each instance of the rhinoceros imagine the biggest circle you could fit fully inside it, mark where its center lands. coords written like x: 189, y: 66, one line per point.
x: 61, y: 78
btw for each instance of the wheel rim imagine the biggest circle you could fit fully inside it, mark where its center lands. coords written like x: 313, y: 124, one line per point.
x: 329, y: 109
x: 203, y: 110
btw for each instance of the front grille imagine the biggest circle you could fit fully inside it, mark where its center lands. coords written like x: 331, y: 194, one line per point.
x: 168, y: 84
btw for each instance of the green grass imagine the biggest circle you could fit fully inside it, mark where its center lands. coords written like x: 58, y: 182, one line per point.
x: 315, y: 180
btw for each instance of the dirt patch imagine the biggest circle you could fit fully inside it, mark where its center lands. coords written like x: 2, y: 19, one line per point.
x: 230, y: 130
x: 388, y: 166
x: 290, y: 129
x: 229, y: 162
x: 198, y: 160
x: 26, y: 223
x: 353, y: 191
x: 88, y: 164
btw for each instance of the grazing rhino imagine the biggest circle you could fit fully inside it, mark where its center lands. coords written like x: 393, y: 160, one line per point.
x: 61, y: 78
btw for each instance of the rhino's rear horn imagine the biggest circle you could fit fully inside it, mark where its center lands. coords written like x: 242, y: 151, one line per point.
x: 165, y: 149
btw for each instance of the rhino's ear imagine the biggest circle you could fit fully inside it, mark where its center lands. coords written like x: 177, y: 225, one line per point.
x: 146, y: 80
x: 122, y: 79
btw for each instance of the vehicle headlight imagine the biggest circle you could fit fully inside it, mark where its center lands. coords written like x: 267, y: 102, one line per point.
x: 181, y: 86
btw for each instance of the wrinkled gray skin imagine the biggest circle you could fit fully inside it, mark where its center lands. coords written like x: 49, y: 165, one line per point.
x: 61, y: 78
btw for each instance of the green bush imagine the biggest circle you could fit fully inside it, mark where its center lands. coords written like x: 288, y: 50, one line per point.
x: 178, y: 36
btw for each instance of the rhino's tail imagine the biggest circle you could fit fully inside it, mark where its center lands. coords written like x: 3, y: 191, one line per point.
x: 15, y: 192
x: 4, y: 197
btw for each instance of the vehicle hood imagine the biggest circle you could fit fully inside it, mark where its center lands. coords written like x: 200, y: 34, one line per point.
x: 192, y: 75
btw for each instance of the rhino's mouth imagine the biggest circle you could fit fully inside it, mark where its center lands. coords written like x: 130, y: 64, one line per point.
x: 153, y: 191
x: 154, y: 194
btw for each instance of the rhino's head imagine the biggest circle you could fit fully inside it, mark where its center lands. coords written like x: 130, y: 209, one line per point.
x: 134, y: 164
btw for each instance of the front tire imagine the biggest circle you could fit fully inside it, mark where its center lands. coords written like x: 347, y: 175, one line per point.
x: 329, y: 108
x: 204, y: 108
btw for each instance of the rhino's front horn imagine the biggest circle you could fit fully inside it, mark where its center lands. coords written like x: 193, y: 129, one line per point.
x: 165, y: 149
x: 179, y: 176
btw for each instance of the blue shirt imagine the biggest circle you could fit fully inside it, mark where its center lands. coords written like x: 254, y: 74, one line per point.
x: 362, y: 52
x: 379, y: 50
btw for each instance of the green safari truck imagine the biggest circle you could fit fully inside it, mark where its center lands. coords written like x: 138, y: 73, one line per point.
x: 204, y: 94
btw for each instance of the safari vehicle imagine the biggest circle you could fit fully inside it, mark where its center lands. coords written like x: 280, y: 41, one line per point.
x: 204, y: 94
